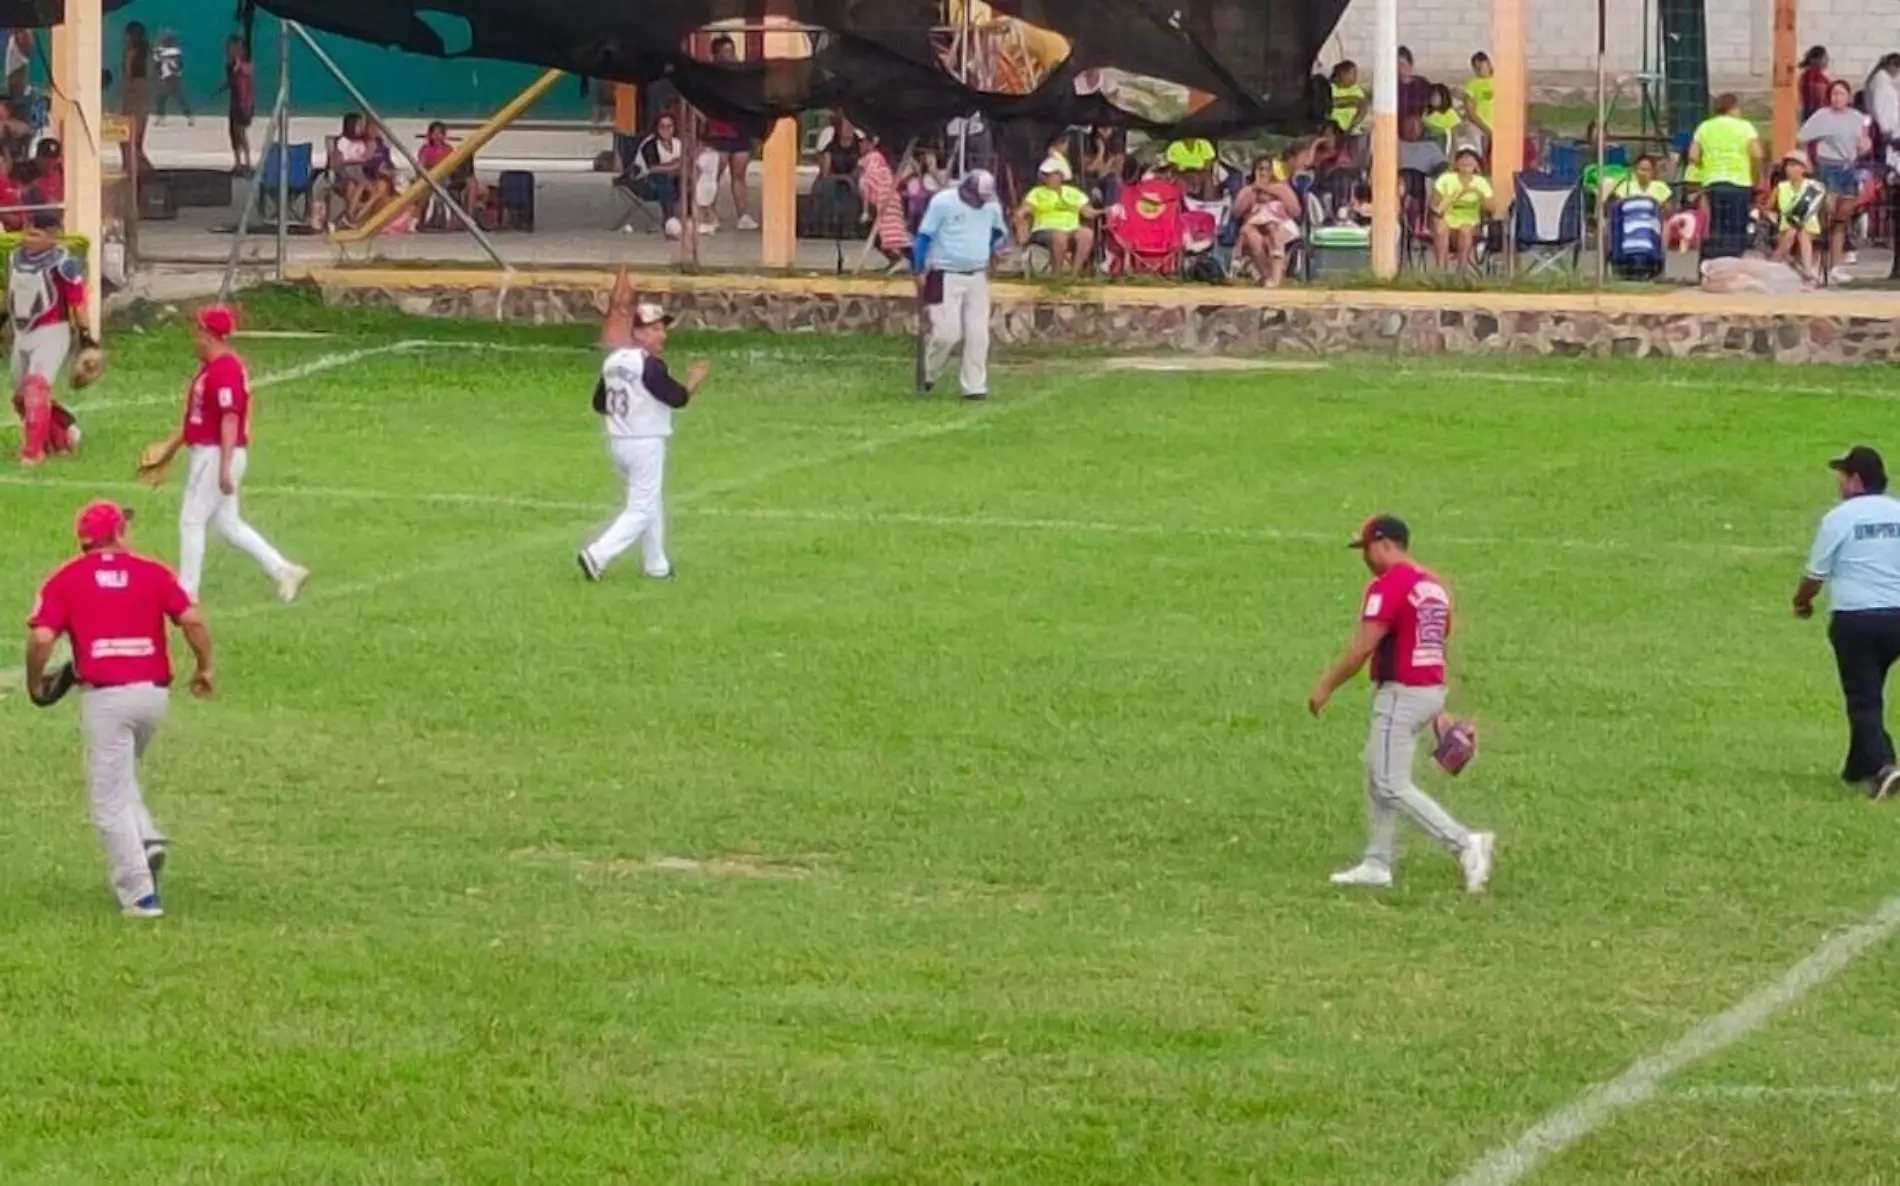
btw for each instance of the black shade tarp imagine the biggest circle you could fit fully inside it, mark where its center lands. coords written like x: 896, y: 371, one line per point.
x: 42, y: 14
x: 1216, y: 65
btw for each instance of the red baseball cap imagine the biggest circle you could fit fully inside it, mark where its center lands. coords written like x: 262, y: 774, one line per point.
x: 1382, y: 527
x: 217, y: 320
x: 100, y: 522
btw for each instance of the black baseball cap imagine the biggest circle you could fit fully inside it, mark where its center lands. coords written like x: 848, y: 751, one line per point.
x: 1382, y: 527
x: 1865, y: 463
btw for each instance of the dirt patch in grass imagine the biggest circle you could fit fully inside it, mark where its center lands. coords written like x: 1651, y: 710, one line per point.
x: 1208, y: 362
x: 754, y: 866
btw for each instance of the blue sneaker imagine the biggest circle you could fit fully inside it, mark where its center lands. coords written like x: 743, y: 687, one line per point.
x: 146, y: 907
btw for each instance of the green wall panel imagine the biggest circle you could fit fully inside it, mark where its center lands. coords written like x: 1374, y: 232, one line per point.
x: 400, y: 84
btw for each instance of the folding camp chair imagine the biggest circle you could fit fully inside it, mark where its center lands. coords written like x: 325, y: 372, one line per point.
x: 1415, y: 217
x: 1547, y: 223
x: 1203, y: 256
x: 1144, y: 230
x: 1636, y: 238
x: 301, y: 181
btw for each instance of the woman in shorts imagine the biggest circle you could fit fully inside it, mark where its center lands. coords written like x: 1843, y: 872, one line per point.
x: 1839, y: 137
x: 1266, y: 211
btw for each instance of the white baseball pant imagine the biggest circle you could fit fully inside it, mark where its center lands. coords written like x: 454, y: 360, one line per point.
x: 1399, y: 715
x: 642, y: 464
x: 205, y: 504
x: 963, y: 317
x: 119, y: 723
x: 41, y: 352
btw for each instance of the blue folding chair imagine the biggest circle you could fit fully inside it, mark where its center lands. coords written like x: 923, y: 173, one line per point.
x: 1547, y: 223
x: 302, y: 179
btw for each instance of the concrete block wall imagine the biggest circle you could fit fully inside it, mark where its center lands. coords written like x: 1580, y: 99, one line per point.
x: 1561, y: 37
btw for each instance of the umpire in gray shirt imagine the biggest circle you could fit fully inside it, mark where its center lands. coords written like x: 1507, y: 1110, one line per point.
x: 1856, y: 557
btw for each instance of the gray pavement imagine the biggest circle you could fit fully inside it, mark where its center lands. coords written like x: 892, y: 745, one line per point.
x: 575, y: 211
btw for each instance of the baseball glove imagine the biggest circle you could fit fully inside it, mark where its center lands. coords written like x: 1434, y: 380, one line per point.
x: 1457, y: 745
x: 89, y: 366
x: 154, y: 464
x: 53, y: 686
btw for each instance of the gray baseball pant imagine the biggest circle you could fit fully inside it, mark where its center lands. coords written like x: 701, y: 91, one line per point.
x: 119, y: 723
x: 41, y: 352
x: 1399, y: 715
x: 962, y: 318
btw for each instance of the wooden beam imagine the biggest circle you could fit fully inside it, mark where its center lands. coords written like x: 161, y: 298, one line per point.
x: 626, y: 109
x: 59, y: 103
x: 1508, y: 84
x: 471, y: 144
x: 1785, y: 123
x: 79, y: 69
x: 779, y: 201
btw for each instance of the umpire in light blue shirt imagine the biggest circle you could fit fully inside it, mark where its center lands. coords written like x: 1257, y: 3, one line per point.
x: 1856, y: 556
x: 961, y: 231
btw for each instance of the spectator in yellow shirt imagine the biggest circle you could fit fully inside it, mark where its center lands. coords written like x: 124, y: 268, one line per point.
x: 1051, y: 217
x: 1799, y: 201
x: 1192, y: 162
x: 1349, y: 98
x: 1461, y: 198
x: 1481, y: 94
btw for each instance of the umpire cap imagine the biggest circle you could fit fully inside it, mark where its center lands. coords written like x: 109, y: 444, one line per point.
x: 1863, y: 462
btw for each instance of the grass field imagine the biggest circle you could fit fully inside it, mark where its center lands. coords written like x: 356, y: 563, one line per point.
x: 955, y: 816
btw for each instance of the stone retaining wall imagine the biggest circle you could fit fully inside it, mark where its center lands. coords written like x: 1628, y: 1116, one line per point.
x: 1307, y: 323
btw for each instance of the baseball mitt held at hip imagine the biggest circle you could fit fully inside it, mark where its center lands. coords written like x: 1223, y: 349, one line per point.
x: 89, y: 366
x: 154, y: 464
x: 1457, y: 745
x: 53, y: 686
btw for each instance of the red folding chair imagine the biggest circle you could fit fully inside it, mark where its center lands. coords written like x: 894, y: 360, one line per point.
x: 1144, y: 230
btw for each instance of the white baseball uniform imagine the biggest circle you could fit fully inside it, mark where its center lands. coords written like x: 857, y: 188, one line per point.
x: 636, y: 398
x: 221, y: 389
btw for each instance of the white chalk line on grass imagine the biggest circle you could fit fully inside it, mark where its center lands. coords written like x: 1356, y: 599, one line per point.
x: 917, y: 519
x: 1771, y: 1094
x: 1643, y: 1080
x: 316, y: 366
x: 318, y: 590
x: 330, y: 362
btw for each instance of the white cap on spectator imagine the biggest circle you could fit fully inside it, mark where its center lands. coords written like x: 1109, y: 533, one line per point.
x: 650, y: 313
x: 1058, y: 166
x: 982, y: 182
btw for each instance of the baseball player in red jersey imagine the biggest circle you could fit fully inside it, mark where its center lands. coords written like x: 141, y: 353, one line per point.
x: 46, y: 299
x: 1404, y: 625
x: 113, y: 604
x: 216, y: 432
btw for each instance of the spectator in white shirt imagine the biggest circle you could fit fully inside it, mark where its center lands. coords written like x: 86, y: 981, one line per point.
x: 652, y: 173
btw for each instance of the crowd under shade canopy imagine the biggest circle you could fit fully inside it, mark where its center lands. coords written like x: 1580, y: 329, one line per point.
x: 1200, y: 66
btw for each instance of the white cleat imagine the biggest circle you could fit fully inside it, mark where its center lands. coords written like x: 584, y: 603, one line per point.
x: 1476, y: 860
x: 292, y: 584
x: 1364, y: 873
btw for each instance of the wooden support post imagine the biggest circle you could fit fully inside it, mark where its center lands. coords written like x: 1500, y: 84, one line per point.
x: 59, y: 103
x: 1785, y: 124
x: 1385, y: 143
x: 79, y: 68
x: 779, y: 201
x: 1513, y: 100
x: 626, y: 109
